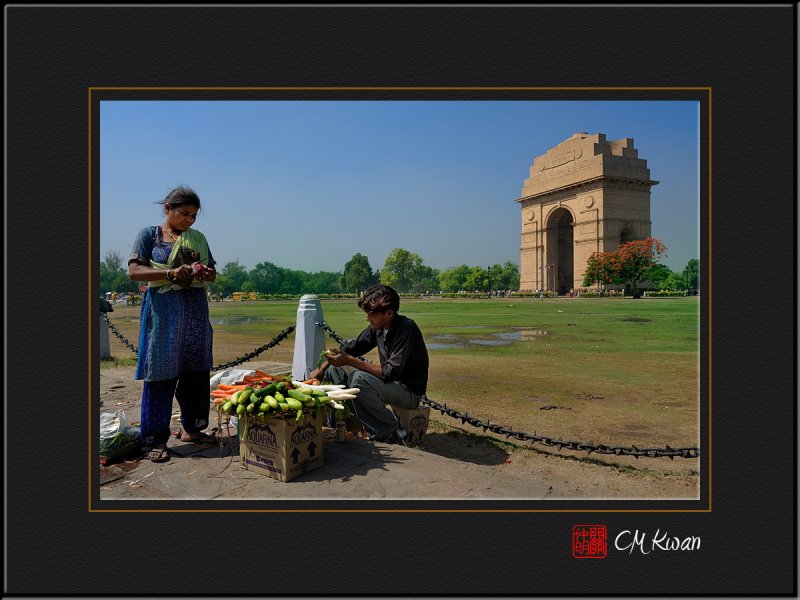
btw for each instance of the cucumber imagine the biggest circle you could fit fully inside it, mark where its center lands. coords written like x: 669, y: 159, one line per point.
x: 298, y: 395
x: 251, y: 408
x: 263, y: 407
x: 240, y: 409
x: 267, y: 389
x: 279, y: 397
x: 318, y: 393
x: 227, y: 407
x: 305, y: 390
x: 311, y: 402
x: 294, y: 404
x: 271, y: 401
x: 283, y: 406
x: 281, y: 386
x: 244, y: 396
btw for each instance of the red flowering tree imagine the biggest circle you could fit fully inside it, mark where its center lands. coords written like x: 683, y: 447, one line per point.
x: 629, y: 264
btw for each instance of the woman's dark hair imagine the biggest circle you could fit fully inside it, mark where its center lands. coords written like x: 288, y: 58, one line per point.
x: 379, y: 299
x: 181, y: 196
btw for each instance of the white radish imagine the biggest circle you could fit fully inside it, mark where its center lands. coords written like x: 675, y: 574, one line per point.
x: 318, y: 388
x: 347, y: 391
x: 342, y: 396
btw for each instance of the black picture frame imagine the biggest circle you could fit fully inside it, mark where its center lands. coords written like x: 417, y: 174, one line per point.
x: 58, y: 57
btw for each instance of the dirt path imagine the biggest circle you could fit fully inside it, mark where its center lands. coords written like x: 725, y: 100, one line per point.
x: 570, y: 474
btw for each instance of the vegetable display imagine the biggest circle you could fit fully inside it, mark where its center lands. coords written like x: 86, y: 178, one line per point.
x: 265, y: 395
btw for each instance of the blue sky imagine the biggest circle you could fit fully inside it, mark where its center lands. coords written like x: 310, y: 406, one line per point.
x: 307, y: 184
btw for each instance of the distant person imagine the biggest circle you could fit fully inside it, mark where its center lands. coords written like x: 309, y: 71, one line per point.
x: 175, y: 336
x: 400, y: 379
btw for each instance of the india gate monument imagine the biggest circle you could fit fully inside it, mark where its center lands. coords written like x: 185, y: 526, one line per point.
x: 586, y: 195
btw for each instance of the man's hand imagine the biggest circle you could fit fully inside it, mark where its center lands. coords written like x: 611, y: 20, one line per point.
x: 337, y: 358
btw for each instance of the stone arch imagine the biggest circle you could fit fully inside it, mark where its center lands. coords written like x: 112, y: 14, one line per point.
x: 560, y: 250
x: 627, y: 234
x: 602, y: 185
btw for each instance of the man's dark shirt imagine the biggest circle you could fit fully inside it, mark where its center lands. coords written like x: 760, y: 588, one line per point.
x: 402, y: 352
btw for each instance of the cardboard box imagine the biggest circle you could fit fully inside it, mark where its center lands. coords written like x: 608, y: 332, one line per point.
x: 281, y: 448
x: 415, y: 422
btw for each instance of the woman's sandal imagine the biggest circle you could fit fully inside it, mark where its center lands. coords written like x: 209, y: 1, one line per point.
x: 158, y: 455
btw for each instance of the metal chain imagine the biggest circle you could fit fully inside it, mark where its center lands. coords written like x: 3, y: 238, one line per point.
x: 277, y: 340
x: 242, y: 359
x: 547, y: 440
x: 339, y: 340
x: 327, y: 328
x: 116, y: 332
x: 569, y: 445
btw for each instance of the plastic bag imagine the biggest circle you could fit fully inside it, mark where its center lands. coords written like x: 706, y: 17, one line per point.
x: 118, y: 439
x: 112, y: 423
x: 229, y: 376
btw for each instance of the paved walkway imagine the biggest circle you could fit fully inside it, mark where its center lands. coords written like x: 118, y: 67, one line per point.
x: 353, y: 469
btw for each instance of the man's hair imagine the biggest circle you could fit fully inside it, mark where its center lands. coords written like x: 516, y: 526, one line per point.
x: 379, y: 299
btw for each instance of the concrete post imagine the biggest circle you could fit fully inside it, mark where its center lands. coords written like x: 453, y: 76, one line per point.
x: 105, y: 345
x: 309, y: 340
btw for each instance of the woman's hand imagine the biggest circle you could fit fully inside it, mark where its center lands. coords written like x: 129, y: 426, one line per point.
x: 182, y: 274
x: 202, y: 272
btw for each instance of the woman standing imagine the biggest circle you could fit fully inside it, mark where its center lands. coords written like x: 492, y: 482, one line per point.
x: 175, y: 336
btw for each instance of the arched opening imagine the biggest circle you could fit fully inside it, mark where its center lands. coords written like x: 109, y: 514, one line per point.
x: 626, y: 235
x: 560, y: 251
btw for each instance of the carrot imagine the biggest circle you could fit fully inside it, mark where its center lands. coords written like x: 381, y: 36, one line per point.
x: 232, y: 388
x: 263, y: 374
x: 221, y: 394
x: 255, y: 379
x: 219, y: 401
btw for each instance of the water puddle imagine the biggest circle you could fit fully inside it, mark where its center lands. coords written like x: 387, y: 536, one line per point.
x: 446, y: 341
x: 240, y: 320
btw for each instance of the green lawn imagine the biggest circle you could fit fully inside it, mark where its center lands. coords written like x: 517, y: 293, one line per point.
x: 612, y: 371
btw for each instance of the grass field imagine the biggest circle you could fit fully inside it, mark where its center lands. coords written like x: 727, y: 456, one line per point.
x: 601, y: 370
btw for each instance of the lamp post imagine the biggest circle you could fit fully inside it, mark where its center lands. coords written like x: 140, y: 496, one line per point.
x: 489, y: 277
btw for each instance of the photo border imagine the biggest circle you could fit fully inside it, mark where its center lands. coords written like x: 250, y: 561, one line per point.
x: 702, y: 95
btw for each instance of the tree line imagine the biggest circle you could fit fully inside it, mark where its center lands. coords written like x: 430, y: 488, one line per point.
x: 406, y: 272
x: 403, y: 270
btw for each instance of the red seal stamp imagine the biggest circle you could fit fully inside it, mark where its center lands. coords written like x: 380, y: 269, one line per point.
x: 589, y: 541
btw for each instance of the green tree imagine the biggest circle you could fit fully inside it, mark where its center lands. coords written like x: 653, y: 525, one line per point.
x: 477, y: 280
x: 266, y: 278
x: 113, y: 261
x: 230, y: 279
x: 660, y: 275
x: 425, y: 279
x: 453, y: 280
x: 324, y: 282
x: 113, y: 278
x: 691, y: 274
x: 504, y: 277
x: 400, y: 269
x: 675, y: 281
x: 358, y: 274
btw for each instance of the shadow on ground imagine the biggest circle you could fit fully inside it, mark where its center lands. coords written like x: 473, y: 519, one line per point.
x: 463, y: 447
